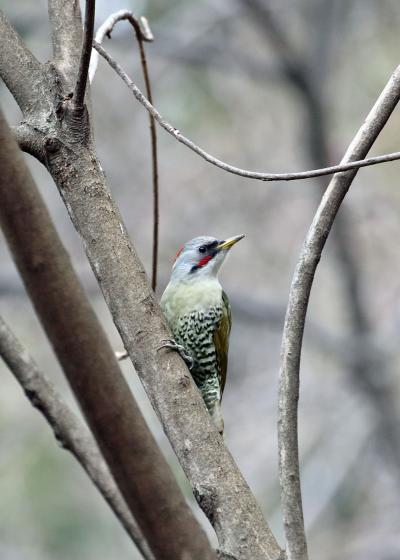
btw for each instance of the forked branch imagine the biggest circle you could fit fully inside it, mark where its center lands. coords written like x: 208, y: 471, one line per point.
x: 217, y: 483
x: 134, y: 458
x: 296, y: 314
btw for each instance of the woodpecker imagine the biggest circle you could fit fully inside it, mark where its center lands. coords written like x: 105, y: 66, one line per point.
x: 199, y: 316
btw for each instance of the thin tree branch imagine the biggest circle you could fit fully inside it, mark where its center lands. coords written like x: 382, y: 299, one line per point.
x: 135, y: 461
x: 296, y: 313
x: 80, y: 87
x: 69, y: 431
x: 225, y: 166
x: 20, y: 70
x: 216, y: 481
x: 66, y: 35
x: 154, y: 164
x: 364, y: 359
x: 359, y: 353
x: 218, y: 485
x: 143, y: 33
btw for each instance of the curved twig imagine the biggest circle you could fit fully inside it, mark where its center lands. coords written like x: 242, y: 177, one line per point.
x: 140, y: 25
x: 143, y: 34
x: 221, y: 164
x: 296, y: 314
x: 68, y: 430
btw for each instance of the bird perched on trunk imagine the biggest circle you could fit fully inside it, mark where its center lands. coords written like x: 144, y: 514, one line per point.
x: 199, y: 316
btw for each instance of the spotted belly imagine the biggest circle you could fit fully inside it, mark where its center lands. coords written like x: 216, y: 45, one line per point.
x: 194, y: 331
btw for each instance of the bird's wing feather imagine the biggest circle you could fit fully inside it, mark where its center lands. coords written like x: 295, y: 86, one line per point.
x: 221, y: 340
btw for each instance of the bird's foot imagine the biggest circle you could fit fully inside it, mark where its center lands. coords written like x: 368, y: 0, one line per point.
x: 121, y: 355
x: 170, y: 343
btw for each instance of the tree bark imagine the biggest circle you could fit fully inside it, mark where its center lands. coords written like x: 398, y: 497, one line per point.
x: 68, y: 429
x: 64, y: 144
x: 133, y: 456
x: 296, y: 314
x: 66, y: 35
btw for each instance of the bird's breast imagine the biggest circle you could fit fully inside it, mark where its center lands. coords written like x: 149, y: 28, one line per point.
x: 185, y: 298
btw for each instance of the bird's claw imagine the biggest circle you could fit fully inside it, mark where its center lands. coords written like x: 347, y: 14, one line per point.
x: 121, y: 355
x: 170, y: 343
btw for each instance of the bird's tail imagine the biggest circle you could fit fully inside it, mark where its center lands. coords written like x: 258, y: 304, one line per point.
x: 216, y: 416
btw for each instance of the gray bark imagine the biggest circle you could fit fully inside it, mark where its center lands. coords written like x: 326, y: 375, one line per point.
x: 66, y: 35
x: 64, y: 143
x: 296, y: 313
x: 19, y: 69
x: 69, y: 431
x: 137, y: 465
x: 217, y: 484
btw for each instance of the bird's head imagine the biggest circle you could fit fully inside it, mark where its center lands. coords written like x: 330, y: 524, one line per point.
x: 201, y: 257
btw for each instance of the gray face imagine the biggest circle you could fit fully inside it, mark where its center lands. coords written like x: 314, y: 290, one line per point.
x: 200, y: 257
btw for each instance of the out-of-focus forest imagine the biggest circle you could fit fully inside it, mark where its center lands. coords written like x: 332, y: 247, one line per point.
x: 272, y: 86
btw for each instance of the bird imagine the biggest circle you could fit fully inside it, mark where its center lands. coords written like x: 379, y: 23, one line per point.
x: 198, y: 313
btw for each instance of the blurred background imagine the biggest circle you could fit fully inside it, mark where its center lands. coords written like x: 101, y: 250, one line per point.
x: 266, y: 85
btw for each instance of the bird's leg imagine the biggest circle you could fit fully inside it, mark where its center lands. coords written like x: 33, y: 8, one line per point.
x: 170, y: 343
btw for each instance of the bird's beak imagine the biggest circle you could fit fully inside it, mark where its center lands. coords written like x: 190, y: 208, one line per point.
x: 228, y: 243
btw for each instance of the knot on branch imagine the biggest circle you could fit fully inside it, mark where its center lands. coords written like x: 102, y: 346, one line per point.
x: 225, y: 556
x: 52, y: 145
x: 206, y: 497
x: 30, y: 139
x: 74, y: 119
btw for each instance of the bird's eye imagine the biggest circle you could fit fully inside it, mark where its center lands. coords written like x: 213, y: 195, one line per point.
x: 202, y: 249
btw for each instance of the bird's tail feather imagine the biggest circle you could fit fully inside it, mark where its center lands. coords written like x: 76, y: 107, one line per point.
x: 216, y: 416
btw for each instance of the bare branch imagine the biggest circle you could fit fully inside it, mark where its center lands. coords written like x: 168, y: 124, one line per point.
x: 225, y: 166
x: 217, y: 483
x: 69, y: 431
x: 154, y: 165
x: 137, y: 465
x: 20, y: 70
x: 143, y: 33
x: 66, y: 35
x: 296, y: 313
x: 363, y: 358
x: 80, y: 87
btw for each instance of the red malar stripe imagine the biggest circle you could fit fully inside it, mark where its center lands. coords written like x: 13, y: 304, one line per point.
x: 204, y: 261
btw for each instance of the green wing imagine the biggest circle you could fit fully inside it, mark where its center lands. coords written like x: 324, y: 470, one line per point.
x: 221, y: 340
